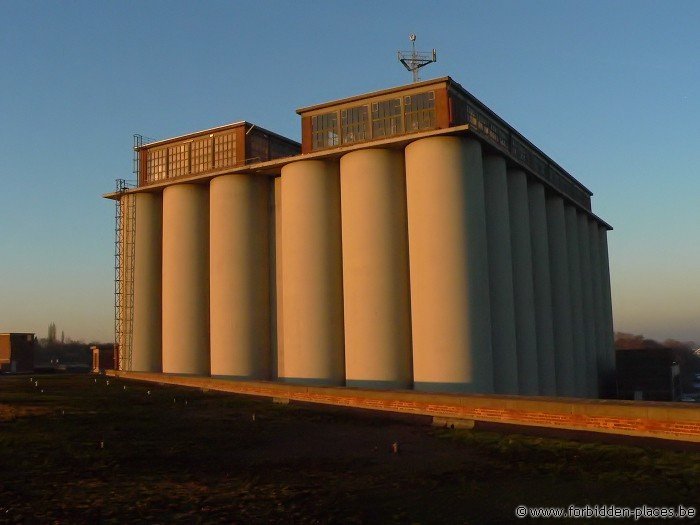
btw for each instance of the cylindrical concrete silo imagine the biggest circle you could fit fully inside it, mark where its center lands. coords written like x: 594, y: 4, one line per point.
x: 543, y: 289
x: 598, y: 306
x: 576, y: 293
x: 375, y: 269
x: 239, y: 276
x: 278, y: 354
x: 588, y: 312
x: 561, y: 297
x: 503, y: 338
x: 147, y: 328
x: 523, y: 287
x: 608, y: 334
x: 451, y: 326
x: 312, y: 279
x: 186, y: 279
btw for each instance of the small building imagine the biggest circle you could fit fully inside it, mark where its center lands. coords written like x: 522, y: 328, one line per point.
x: 209, y: 151
x: 104, y: 357
x: 649, y: 374
x: 17, y: 352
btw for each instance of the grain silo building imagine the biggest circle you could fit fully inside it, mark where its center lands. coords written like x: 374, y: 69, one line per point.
x: 413, y: 240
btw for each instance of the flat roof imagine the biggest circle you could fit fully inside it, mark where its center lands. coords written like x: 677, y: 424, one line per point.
x: 272, y: 167
x: 216, y: 129
x: 458, y: 87
x: 493, y: 114
x: 375, y: 94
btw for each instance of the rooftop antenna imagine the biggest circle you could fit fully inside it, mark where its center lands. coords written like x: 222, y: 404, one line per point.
x: 414, y: 60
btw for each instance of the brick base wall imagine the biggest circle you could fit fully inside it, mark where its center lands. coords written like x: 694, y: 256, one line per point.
x: 674, y: 421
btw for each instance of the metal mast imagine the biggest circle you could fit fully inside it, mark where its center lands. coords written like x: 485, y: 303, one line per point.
x: 414, y: 60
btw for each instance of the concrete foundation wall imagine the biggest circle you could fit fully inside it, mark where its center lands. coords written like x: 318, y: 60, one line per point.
x: 671, y: 421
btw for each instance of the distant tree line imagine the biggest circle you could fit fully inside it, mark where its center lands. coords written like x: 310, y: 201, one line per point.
x: 685, y: 353
x: 51, y: 352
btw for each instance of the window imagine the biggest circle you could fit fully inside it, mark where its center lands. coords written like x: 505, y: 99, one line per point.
x: 201, y: 155
x: 179, y: 160
x: 419, y: 111
x: 324, y: 130
x: 354, y: 124
x: 386, y: 118
x: 225, y: 149
x: 156, y: 164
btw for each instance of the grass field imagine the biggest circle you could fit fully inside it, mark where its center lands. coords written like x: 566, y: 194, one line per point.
x: 77, y: 449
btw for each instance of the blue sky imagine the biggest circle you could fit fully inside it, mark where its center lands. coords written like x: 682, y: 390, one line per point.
x: 607, y: 89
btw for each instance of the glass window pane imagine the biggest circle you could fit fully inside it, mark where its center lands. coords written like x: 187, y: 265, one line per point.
x: 354, y: 124
x: 225, y: 149
x: 324, y: 130
x: 202, y: 154
x: 386, y: 118
x: 419, y: 111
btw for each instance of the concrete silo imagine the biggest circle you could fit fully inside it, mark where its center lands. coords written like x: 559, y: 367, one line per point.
x: 414, y: 239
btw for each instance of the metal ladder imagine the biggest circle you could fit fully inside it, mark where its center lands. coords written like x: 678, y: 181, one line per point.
x: 124, y: 231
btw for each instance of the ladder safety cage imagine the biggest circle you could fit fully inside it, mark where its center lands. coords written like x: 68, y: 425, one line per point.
x: 124, y: 247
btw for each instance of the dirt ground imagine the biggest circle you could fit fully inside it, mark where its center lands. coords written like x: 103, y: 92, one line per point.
x: 85, y: 449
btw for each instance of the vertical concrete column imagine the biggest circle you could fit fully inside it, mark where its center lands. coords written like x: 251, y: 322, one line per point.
x: 588, y: 311
x: 523, y: 287
x: 608, y: 334
x: 561, y: 297
x: 147, y: 335
x: 598, y: 307
x: 544, y: 322
x: 312, y: 276
x: 503, y: 338
x: 375, y: 269
x: 186, y: 279
x: 451, y: 321
x: 239, y: 276
x: 576, y: 293
x: 278, y: 362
